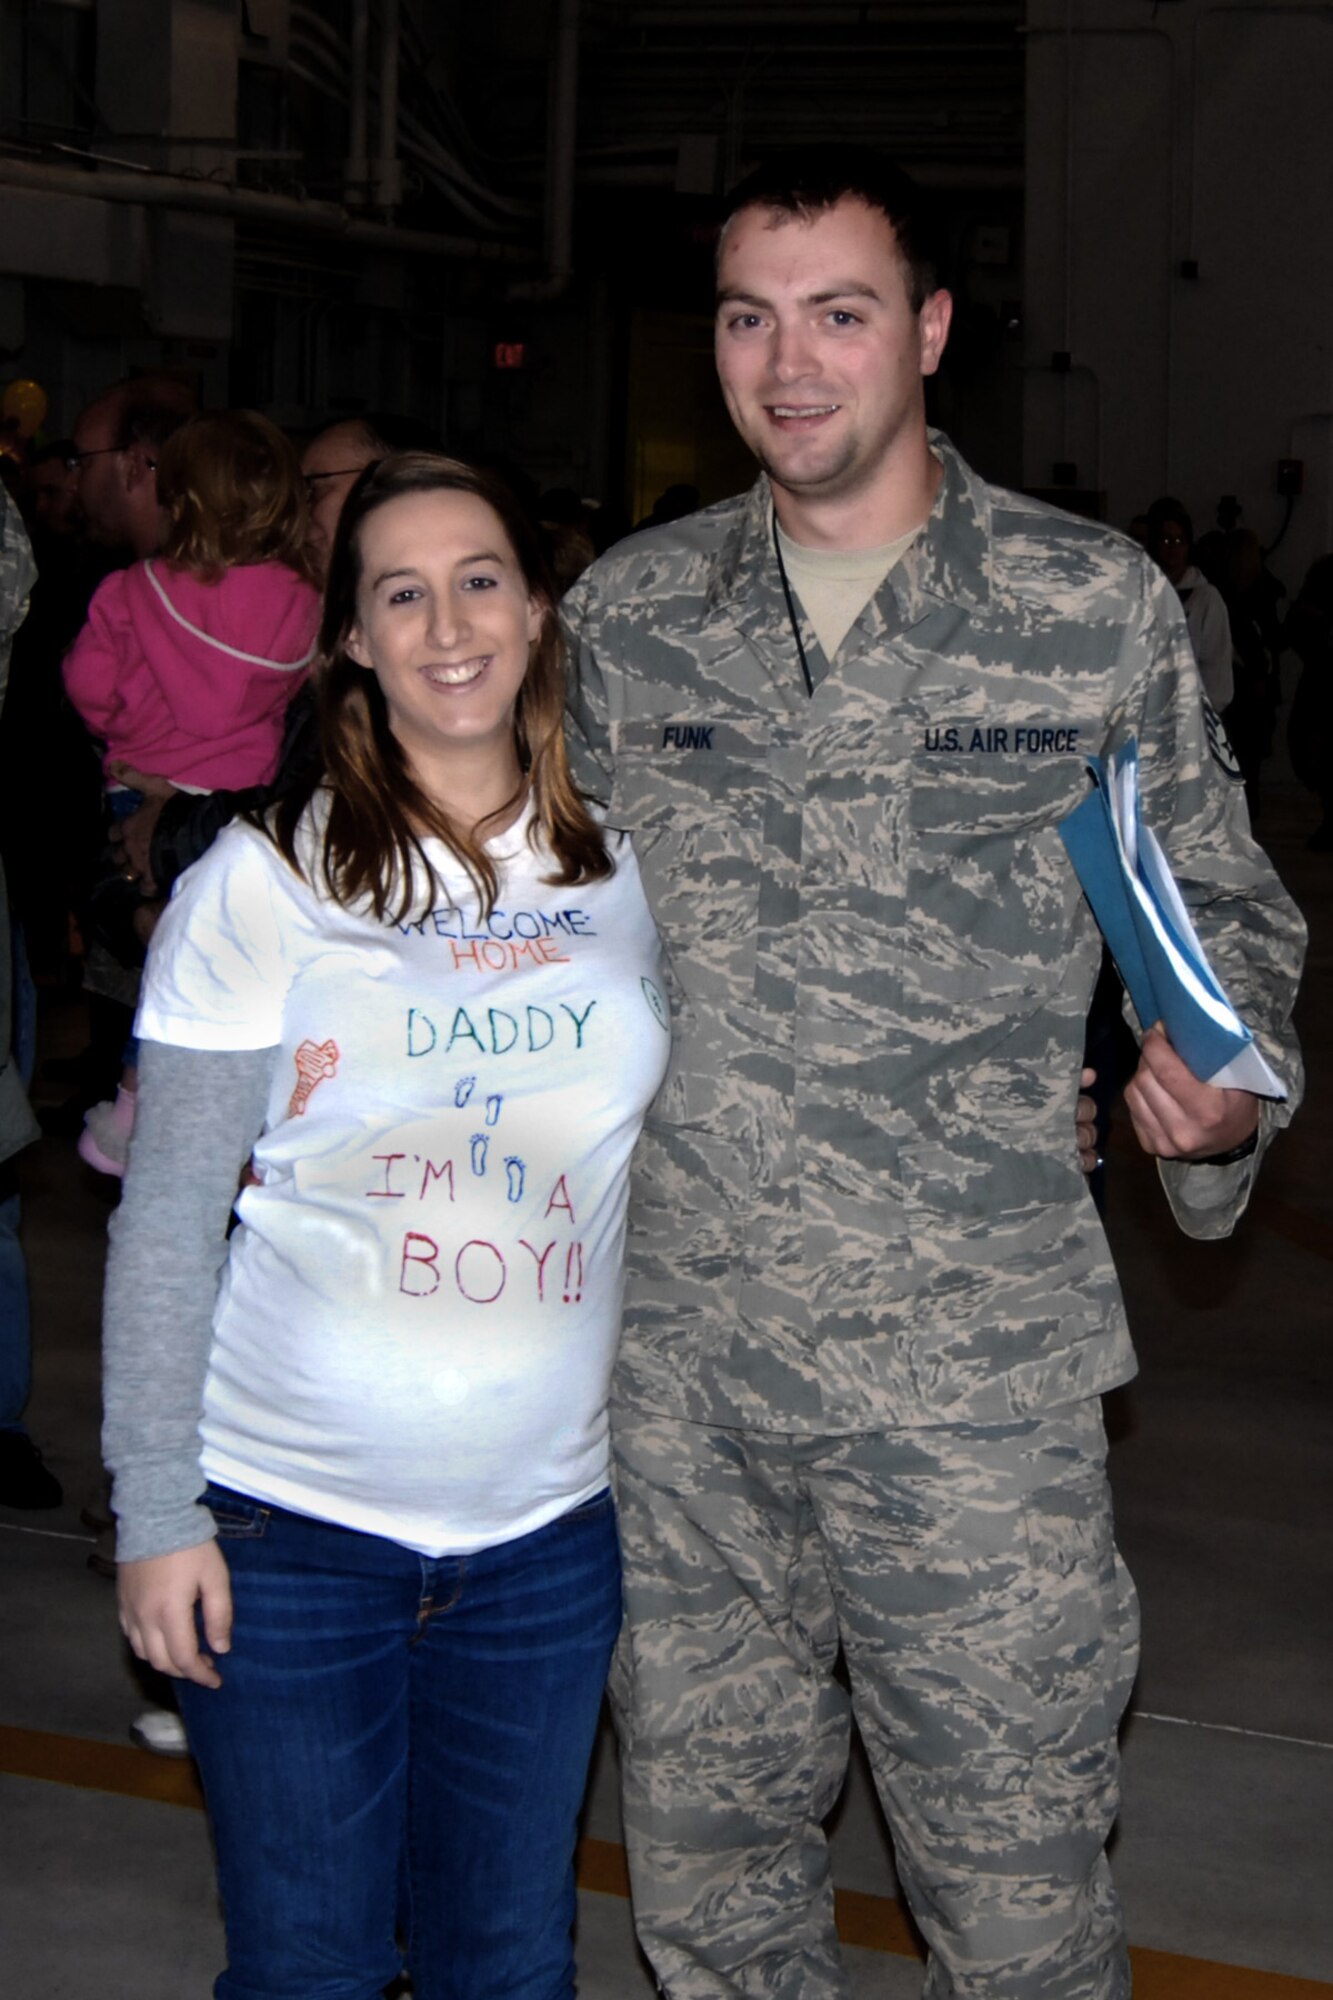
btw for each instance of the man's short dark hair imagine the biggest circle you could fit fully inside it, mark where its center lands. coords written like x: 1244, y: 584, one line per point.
x: 808, y: 180
x: 1168, y: 508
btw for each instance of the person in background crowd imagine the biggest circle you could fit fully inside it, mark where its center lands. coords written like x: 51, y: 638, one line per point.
x: 1251, y: 594
x: 25, y: 1481
x: 673, y: 503
x: 392, y: 1609
x: 44, y: 749
x: 53, y: 488
x: 1170, y: 538
x: 869, y: 1308
x: 118, y: 440
x: 190, y: 658
x: 564, y: 522
x: 336, y: 457
x: 1309, y: 633
x: 171, y: 829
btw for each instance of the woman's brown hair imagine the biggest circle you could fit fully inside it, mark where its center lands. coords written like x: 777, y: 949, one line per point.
x: 378, y: 815
x: 231, y: 486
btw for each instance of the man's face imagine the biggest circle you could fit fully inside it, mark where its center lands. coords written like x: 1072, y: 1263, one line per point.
x: 55, y: 496
x: 1170, y: 549
x: 330, y: 466
x: 819, y: 352
x: 101, y: 481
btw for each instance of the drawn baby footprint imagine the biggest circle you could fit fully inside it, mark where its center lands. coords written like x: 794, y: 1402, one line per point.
x: 463, y: 1090
x: 657, y: 1001
x: 515, y: 1171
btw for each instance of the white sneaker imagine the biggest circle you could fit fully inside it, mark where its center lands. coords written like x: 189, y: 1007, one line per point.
x: 161, y: 1731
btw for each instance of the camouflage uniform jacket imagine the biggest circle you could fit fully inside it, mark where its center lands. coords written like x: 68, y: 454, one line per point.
x: 857, y: 1201
x: 18, y: 573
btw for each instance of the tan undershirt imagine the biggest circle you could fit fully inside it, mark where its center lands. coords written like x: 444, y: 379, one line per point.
x: 835, y: 585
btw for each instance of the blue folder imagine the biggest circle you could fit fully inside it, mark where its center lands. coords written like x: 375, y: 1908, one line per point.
x: 1142, y: 916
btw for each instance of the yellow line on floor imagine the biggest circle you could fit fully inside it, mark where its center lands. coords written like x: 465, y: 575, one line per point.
x: 1164, y: 1975
x: 876, y: 1923
x: 98, y: 1767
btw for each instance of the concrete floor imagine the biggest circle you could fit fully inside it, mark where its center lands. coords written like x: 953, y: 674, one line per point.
x: 1222, y: 1467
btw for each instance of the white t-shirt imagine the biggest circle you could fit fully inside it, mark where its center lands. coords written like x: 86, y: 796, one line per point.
x: 416, y: 1327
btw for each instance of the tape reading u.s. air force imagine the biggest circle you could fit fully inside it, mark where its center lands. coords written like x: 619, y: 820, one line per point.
x: 1003, y: 739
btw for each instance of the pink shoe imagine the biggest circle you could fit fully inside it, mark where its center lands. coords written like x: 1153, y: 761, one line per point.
x: 105, y: 1139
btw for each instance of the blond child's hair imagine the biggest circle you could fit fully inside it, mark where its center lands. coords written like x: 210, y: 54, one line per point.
x: 232, y: 489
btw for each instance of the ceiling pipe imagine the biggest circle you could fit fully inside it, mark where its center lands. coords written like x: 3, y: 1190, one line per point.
x: 761, y: 14
x: 357, y: 173
x: 388, y: 167
x: 313, y: 218
x: 984, y: 177
x: 561, y: 135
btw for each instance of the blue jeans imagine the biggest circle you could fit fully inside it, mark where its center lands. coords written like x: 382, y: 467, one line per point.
x: 395, y: 1761
x: 15, y: 1334
x: 15, y: 1325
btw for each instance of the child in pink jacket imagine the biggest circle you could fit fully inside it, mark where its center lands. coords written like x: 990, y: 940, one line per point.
x: 188, y: 660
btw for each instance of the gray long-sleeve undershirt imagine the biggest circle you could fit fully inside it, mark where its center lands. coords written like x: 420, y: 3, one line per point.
x: 197, y: 1116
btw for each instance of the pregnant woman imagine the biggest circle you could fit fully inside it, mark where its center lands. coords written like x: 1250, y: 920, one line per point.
x: 360, y: 1448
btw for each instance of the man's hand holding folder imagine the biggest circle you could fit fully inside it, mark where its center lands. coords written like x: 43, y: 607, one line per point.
x: 1195, y: 1095
x: 1178, y: 1118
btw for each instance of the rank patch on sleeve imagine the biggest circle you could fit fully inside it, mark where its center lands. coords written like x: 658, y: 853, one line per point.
x: 1219, y: 743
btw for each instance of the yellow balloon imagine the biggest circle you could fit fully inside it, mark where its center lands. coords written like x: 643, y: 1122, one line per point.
x: 25, y: 403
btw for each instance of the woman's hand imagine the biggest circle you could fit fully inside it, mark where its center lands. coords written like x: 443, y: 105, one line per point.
x: 157, y: 1598
x: 1085, y: 1124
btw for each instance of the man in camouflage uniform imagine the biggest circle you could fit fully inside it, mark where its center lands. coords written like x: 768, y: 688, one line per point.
x: 869, y: 1308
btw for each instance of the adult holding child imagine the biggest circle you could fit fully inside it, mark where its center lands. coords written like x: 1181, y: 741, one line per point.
x: 391, y: 1614
x: 189, y: 657
x: 171, y: 829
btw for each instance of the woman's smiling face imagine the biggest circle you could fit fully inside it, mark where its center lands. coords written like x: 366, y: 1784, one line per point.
x: 446, y: 622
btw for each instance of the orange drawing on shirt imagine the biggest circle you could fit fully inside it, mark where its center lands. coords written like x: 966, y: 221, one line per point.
x: 314, y: 1061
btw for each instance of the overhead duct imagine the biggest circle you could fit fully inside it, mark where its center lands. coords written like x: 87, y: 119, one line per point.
x: 561, y: 139
x: 314, y: 218
x: 388, y: 167
x: 358, y: 164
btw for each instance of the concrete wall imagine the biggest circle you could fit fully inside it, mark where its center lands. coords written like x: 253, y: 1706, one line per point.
x: 1197, y: 132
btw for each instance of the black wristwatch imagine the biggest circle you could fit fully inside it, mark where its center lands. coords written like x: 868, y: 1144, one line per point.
x: 1241, y: 1152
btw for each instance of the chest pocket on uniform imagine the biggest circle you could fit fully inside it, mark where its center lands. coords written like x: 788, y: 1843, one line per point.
x: 693, y: 794
x: 992, y: 895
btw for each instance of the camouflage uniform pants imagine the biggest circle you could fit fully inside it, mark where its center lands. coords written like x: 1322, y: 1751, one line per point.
x: 990, y: 1636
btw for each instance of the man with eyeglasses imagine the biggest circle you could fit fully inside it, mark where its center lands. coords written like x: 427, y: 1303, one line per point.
x: 336, y: 457
x: 117, y: 441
